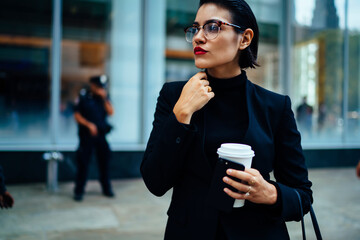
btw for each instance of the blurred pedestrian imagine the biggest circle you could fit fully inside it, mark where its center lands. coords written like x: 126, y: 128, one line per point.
x: 91, y: 111
x: 322, y: 116
x: 6, y: 200
x: 304, y: 116
x: 358, y: 170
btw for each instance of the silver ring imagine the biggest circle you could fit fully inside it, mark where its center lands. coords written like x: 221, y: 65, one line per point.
x: 248, y: 192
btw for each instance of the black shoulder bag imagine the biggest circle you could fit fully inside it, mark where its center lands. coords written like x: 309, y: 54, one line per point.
x: 313, y: 219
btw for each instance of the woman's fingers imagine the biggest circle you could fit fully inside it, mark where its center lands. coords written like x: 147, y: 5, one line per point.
x: 205, y: 83
x: 194, y: 96
x: 197, y: 91
x: 252, y: 185
x: 200, y: 75
x: 241, y: 175
x: 235, y: 195
x: 244, y: 190
x: 201, y: 78
x: 237, y: 185
x: 250, y: 175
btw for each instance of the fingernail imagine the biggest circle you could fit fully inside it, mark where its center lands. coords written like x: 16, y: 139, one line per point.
x: 229, y: 171
x: 226, y: 179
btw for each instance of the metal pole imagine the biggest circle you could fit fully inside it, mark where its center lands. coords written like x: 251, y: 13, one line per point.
x: 346, y: 76
x: 285, y: 54
x: 54, y: 157
x: 55, y: 71
x: 143, y: 78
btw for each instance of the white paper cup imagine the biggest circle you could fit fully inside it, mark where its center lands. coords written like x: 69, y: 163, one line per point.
x: 239, y: 153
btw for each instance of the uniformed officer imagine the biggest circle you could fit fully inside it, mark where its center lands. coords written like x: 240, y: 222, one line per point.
x: 91, y: 113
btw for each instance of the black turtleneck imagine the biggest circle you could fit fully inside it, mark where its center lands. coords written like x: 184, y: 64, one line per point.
x: 226, y: 115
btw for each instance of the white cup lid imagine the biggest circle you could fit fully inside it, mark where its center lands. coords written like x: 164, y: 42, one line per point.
x: 235, y: 150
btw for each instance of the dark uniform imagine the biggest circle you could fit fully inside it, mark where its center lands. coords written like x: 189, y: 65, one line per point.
x: 91, y: 107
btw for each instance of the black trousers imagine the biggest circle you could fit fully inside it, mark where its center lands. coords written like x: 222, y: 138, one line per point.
x: 89, y: 145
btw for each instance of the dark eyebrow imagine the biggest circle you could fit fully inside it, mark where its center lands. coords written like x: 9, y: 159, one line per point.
x: 207, y: 21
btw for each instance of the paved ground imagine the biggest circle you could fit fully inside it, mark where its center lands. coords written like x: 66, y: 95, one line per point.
x: 137, y: 215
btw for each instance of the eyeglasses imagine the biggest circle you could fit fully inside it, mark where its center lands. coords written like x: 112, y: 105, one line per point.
x: 211, y: 30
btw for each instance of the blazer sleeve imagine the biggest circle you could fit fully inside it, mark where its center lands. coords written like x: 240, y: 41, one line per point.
x: 168, y: 145
x: 290, y: 170
x: 2, y: 182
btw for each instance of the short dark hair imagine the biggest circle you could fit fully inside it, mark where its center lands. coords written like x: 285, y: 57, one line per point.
x: 243, y: 16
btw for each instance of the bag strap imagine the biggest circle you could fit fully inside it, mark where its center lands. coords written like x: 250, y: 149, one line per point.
x: 313, y: 219
x: 302, y: 216
x: 315, y: 224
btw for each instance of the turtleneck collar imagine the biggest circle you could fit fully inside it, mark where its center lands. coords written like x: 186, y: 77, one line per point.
x: 219, y: 84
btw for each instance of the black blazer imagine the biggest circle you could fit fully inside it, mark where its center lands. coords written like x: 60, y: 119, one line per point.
x: 175, y: 158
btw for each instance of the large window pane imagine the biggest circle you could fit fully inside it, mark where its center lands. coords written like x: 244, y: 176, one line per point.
x: 179, y: 62
x: 84, y: 52
x: 25, y: 30
x: 353, y: 115
x: 318, y: 71
x: 268, y: 14
x: 102, y: 37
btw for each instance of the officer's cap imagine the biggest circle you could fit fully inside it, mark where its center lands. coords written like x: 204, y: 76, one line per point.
x: 100, y: 81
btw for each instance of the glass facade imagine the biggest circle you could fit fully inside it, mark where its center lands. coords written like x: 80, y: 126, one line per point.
x: 325, y: 72
x: 25, y: 83
x: 318, y: 71
x: 102, y: 37
x: 84, y: 48
x: 309, y: 50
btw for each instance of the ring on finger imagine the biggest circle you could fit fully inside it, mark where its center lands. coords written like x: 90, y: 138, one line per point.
x: 252, y: 181
x: 248, y: 191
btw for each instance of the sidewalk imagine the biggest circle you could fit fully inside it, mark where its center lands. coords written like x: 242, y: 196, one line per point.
x: 137, y: 215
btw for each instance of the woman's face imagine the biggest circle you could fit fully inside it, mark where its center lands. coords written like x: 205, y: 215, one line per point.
x: 222, y: 53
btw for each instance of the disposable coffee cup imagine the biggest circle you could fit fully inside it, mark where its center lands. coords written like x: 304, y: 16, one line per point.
x: 238, y: 153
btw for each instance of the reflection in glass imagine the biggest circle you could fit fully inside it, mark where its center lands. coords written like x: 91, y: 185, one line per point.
x: 102, y: 37
x: 318, y: 71
x: 268, y: 15
x: 84, y: 54
x: 25, y: 28
x: 353, y: 115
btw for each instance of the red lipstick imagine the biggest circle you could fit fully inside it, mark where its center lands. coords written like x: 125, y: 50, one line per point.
x: 199, y: 51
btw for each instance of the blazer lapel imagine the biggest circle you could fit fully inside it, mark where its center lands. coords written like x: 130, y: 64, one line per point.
x: 252, y: 134
x: 250, y: 108
x: 255, y: 136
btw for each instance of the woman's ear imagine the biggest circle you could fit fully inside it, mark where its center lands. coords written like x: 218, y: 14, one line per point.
x: 246, y: 39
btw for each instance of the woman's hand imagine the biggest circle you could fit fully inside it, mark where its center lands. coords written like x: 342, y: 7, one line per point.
x: 251, y: 186
x: 195, y: 94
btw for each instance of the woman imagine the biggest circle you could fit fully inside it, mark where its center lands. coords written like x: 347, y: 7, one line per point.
x: 217, y: 106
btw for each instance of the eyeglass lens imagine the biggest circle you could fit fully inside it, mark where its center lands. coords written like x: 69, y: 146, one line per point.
x: 211, y: 30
